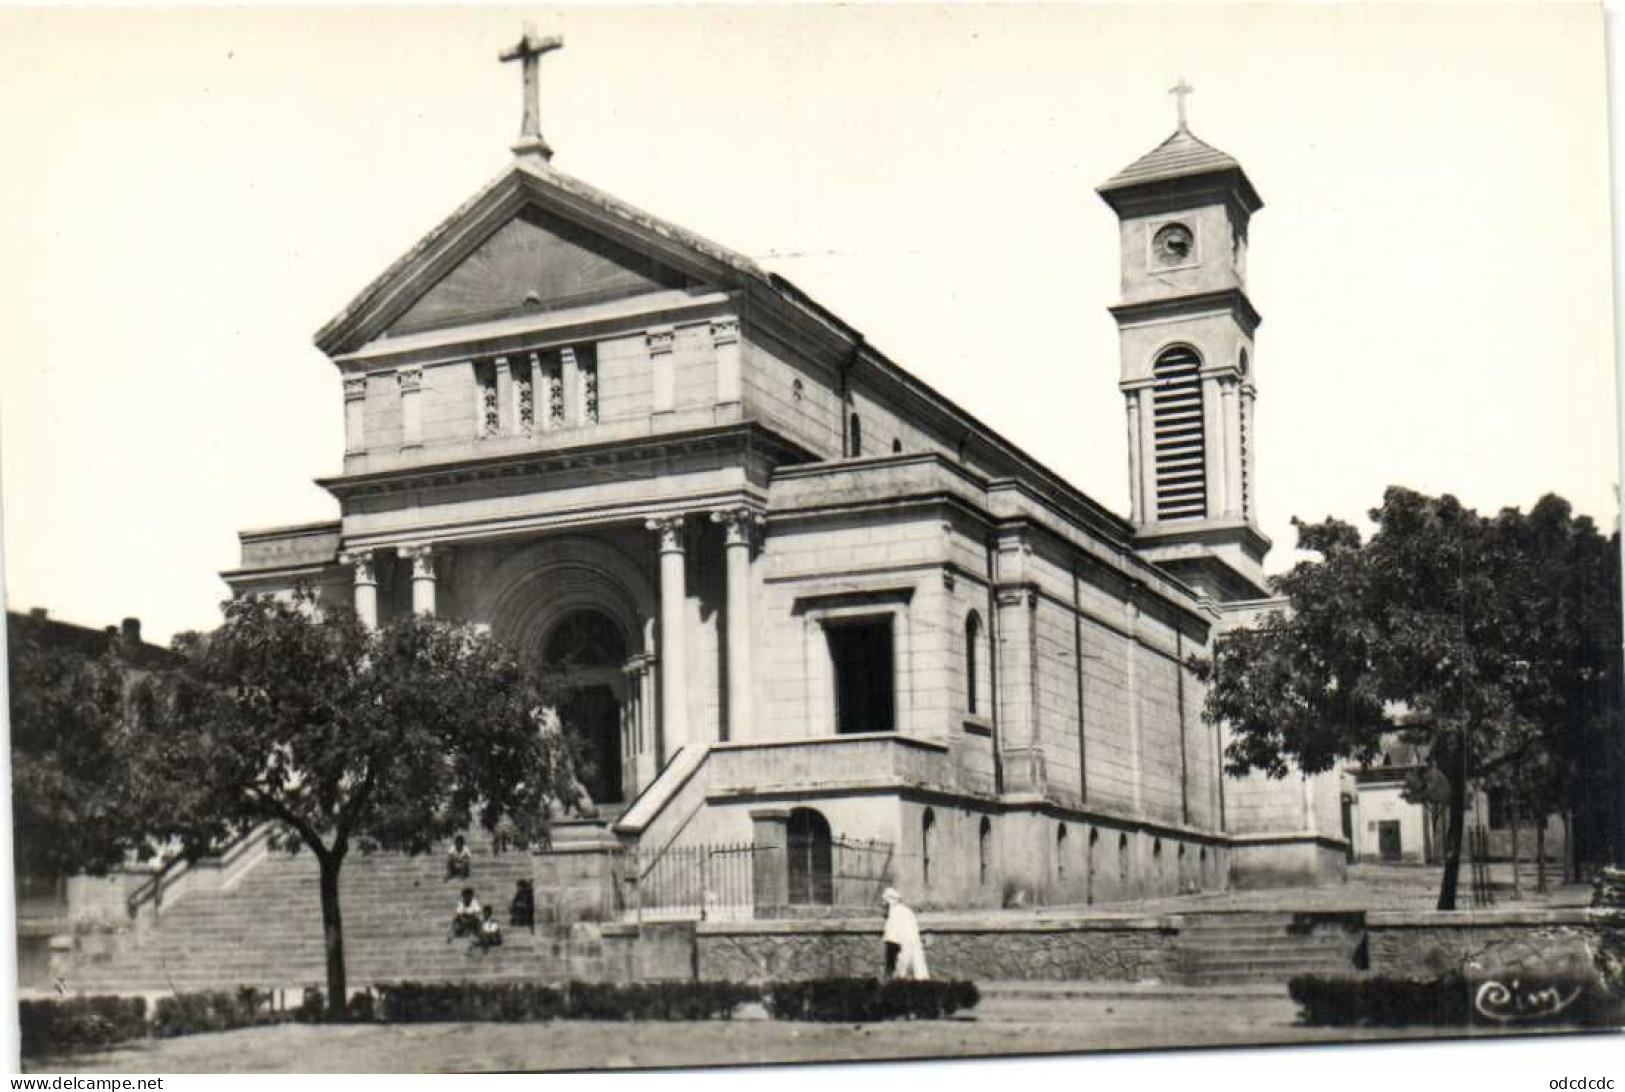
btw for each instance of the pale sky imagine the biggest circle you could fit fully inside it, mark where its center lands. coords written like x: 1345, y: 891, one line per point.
x: 187, y: 196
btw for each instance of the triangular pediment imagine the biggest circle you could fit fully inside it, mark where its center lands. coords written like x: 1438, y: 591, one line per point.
x: 535, y: 261
x: 534, y: 238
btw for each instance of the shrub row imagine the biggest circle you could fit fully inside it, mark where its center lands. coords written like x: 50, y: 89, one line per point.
x: 413, y: 1002
x: 1379, y: 1001
x: 861, y: 1000
x: 88, y: 1023
x: 80, y: 1023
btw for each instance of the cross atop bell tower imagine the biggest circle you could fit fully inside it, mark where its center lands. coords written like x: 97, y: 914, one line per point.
x: 1179, y: 91
x: 529, y: 52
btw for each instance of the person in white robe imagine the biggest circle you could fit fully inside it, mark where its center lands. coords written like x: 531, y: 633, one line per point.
x: 905, y: 954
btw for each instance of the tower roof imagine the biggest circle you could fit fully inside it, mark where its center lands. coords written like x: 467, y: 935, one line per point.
x: 1181, y: 156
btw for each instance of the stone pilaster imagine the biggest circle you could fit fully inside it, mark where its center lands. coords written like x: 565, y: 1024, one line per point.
x: 1213, y: 448
x: 1136, y: 491
x: 673, y: 655
x: 1232, y: 446
x: 725, y: 341
x: 770, y: 874
x: 355, y: 413
x: 411, y: 385
x: 663, y: 367
x: 741, y: 528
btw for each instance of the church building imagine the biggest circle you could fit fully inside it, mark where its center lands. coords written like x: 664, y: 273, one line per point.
x: 817, y: 603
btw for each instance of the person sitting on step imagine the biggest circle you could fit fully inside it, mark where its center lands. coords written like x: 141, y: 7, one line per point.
x: 459, y: 862
x: 522, y: 910
x: 490, y: 933
x: 465, y: 920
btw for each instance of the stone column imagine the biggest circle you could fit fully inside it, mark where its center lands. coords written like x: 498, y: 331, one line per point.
x: 1136, y: 498
x: 741, y: 525
x: 1232, y: 447
x: 673, y: 658
x: 770, y: 872
x: 365, y: 563
x: 422, y: 556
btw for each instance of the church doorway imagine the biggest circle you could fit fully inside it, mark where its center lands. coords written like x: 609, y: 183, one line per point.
x: 589, y: 648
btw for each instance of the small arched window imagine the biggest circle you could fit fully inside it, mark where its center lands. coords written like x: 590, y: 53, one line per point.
x: 811, y: 871
x: 854, y: 437
x: 973, y: 643
x: 984, y: 850
x: 896, y: 447
x: 1180, y: 438
x: 928, y: 824
x: 1060, y: 851
x: 1122, y: 860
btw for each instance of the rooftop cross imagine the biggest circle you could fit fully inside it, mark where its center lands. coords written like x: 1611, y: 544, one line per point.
x: 1179, y: 91
x: 529, y: 53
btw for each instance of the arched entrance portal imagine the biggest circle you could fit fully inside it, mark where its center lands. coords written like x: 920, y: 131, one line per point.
x: 589, y: 646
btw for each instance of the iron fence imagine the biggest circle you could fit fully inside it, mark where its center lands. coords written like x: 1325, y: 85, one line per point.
x: 698, y: 882
x: 712, y: 882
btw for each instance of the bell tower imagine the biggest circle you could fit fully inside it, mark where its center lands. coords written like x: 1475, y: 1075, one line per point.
x: 1185, y: 333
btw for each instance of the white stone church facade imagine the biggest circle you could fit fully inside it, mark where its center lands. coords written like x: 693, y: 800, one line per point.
x: 812, y: 593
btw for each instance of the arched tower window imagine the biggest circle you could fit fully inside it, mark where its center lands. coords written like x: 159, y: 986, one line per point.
x: 984, y: 850
x: 1060, y: 851
x: 854, y: 437
x: 811, y: 870
x: 1122, y: 862
x: 1244, y: 441
x: 973, y: 641
x: 1181, y: 458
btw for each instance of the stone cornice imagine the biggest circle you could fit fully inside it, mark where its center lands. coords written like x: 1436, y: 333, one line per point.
x: 1233, y: 300
x: 643, y: 449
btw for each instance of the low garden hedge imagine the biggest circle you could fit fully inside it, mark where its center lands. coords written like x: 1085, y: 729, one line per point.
x: 1448, y: 1001
x: 80, y: 1023
x: 863, y: 1000
x: 88, y: 1023
x: 217, y: 1010
x: 415, y: 1002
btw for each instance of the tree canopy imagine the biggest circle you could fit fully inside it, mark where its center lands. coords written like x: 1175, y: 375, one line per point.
x: 69, y: 789
x: 305, y: 717
x: 1498, y: 636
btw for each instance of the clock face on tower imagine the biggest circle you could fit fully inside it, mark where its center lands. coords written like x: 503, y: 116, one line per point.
x: 1173, y: 245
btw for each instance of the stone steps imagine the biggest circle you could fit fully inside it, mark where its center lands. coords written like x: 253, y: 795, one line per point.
x: 1259, y: 948
x: 267, y: 930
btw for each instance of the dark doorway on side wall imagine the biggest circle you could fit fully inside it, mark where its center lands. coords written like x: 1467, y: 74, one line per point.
x: 865, y: 687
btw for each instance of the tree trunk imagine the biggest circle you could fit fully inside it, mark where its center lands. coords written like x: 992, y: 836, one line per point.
x: 333, y: 933
x: 1517, y: 829
x: 1452, y: 838
x: 1540, y: 856
x: 1571, y: 867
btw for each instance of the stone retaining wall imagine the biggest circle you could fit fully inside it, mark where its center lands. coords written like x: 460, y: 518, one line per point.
x: 1426, y: 944
x: 1114, y: 949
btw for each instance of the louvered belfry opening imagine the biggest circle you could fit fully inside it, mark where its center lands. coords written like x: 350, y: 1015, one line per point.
x: 1181, y: 452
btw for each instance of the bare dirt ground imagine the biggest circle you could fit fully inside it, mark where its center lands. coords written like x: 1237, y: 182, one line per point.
x: 1002, y: 1027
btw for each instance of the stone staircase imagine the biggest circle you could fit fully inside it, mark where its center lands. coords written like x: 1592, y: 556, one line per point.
x: 1260, y: 947
x: 266, y: 931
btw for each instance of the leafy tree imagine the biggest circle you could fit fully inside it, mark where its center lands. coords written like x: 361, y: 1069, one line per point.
x: 302, y: 717
x: 1494, y: 633
x: 69, y: 800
